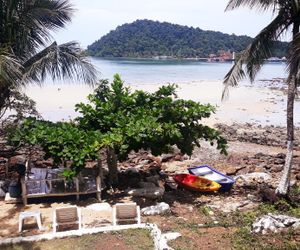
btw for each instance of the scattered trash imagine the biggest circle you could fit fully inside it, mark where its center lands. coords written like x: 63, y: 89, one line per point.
x: 160, y: 208
x: 274, y: 223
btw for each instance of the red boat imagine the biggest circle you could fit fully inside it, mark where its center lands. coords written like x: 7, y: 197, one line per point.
x: 196, y: 183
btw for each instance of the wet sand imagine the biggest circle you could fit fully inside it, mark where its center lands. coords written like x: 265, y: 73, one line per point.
x: 246, y: 103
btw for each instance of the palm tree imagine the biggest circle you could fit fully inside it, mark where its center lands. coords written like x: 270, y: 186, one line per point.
x: 25, y: 53
x: 286, y: 19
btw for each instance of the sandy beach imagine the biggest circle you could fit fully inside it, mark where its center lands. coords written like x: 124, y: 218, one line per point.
x: 246, y: 104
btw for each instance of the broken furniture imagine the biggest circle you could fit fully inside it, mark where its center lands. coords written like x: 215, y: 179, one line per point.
x: 66, y: 216
x: 43, y: 182
x: 31, y: 214
x: 126, y: 212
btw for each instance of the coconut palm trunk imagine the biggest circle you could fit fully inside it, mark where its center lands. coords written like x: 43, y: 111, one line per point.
x: 284, y: 183
x: 286, y: 16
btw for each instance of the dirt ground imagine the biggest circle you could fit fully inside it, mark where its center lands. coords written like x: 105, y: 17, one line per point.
x: 201, y: 228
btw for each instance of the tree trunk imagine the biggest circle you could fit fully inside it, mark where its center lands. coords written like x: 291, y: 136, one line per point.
x: 284, y: 184
x: 112, y: 166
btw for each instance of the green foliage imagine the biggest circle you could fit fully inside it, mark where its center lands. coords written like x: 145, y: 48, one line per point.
x: 26, y: 54
x: 123, y: 121
x: 154, y: 121
x: 145, y: 38
x: 61, y: 141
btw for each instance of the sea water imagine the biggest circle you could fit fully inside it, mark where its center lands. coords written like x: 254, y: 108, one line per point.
x: 174, y: 71
x: 198, y: 81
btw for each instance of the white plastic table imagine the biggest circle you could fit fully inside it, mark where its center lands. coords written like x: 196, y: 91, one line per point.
x: 35, y: 214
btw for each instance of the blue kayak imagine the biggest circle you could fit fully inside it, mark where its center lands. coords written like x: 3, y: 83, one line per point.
x: 211, y: 174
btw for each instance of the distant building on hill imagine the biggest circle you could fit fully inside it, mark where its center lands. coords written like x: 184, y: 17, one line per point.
x: 223, y: 56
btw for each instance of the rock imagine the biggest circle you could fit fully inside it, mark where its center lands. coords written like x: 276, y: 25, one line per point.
x: 19, y: 159
x: 276, y: 169
x: 274, y: 223
x: 170, y: 185
x: 231, y: 171
x: 152, y: 193
x: 160, y: 208
x: 281, y: 156
x: 252, y: 179
x: 178, y: 157
x: 153, y: 179
x: 166, y: 157
x: 143, y: 184
x: 231, y: 206
x: 171, y: 236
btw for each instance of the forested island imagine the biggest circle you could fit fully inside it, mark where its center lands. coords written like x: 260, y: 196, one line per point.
x: 148, y: 39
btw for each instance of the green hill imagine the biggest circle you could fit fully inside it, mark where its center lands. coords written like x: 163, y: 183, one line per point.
x: 145, y: 38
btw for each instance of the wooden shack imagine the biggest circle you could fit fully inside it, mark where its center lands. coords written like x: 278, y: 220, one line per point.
x: 43, y: 182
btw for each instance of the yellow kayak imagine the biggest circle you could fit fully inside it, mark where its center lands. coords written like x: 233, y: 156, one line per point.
x: 196, y: 183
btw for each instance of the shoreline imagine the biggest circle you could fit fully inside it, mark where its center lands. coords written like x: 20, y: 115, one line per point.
x: 261, y: 104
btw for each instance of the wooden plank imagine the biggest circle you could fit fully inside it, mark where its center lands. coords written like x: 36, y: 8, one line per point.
x: 77, y: 188
x: 99, y: 177
x: 59, y: 194
x: 24, y: 191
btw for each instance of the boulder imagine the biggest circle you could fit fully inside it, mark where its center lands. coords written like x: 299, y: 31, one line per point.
x: 160, y: 208
x: 143, y: 184
x: 152, y: 192
x: 274, y: 223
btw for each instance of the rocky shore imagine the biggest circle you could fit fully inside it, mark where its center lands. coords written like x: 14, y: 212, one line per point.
x: 262, y: 135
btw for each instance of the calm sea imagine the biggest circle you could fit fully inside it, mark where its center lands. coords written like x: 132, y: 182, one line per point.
x: 198, y: 81
x: 163, y: 71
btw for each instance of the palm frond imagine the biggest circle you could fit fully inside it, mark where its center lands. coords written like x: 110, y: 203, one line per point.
x: 293, y: 61
x: 64, y: 61
x: 261, y: 5
x: 235, y: 74
x: 30, y: 23
x: 10, y: 69
x: 256, y: 53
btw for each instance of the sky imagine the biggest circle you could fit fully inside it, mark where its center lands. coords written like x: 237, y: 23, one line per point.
x: 95, y: 18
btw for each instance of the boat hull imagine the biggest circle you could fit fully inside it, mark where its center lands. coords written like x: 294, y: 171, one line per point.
x: 207, y: 172
x: 196, y: 183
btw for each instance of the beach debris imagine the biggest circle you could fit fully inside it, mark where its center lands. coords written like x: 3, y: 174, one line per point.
x: 160, y: 208
x: 253, y: 179
x: 152, y: 192
x: 274, y: 223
